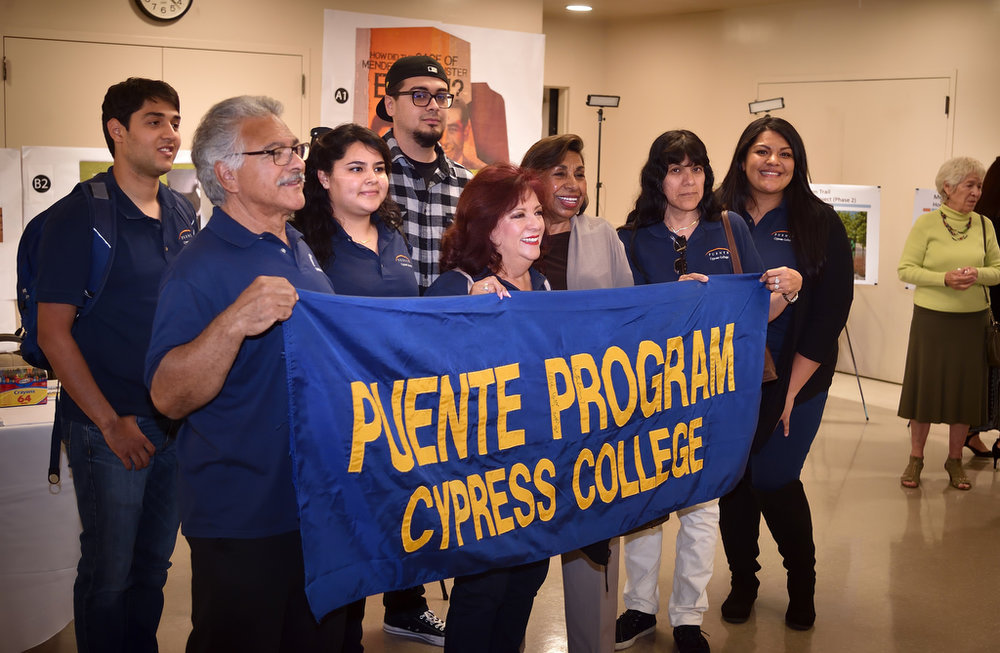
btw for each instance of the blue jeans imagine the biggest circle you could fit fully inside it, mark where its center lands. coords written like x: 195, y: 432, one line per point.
x: 130, y: 522
x: 780, y: 460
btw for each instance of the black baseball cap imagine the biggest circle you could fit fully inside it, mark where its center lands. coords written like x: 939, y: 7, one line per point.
x: 405, y: 68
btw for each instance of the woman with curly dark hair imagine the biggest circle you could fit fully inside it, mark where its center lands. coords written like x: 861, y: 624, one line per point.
x: 768, y: 185
x: 352, y: 225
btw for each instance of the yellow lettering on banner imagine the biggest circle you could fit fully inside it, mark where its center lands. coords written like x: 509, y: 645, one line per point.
x: 680, y: 465
x: 453, y: 419
x: 556, y: 368
x: 606, y: 491
x: 699, y: 367
x: 421, y: 494
x: 462, y: 512
x: 507, y: 404
x: 722, y: 360
x: 363, y: 432
x: 660, y: 456
x: 442, y: 500
x: 522, y: 494
x: 674, y: 372
x: 694, y: 444
x: 399, y: 452
x: 587, y: 394
x: 498, y: 499
x: 650, y: 405
x: 645, y: 483
x: 416, y: 419
x: 584, y: 501
x: 629, y: 488
x: 481, y: 382
x: 478, y: 501
x: 617, y: 355
x: 547, y: 490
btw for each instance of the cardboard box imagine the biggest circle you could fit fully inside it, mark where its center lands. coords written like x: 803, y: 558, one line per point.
x: 23, y: 386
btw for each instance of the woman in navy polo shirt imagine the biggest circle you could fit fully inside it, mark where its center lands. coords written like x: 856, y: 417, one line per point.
x: 349, y: 221
x: 489, y: 249
x: 675, y: 233
x: 768, y: 185
x: 352, y: 226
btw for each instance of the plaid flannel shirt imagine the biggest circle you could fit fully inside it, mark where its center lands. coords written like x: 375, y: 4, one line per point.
x: 424, y: 223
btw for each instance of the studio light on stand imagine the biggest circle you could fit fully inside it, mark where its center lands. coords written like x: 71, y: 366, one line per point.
x: 767, y: 106
x: 600, y: 101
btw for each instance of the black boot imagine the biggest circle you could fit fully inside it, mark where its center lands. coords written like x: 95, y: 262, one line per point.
x: 786, y: 512
x: 739, y: 524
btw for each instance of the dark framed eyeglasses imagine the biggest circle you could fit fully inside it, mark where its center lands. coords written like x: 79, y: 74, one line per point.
x: 423, y: 98
x: 282, y: 155
x: 680, y: 263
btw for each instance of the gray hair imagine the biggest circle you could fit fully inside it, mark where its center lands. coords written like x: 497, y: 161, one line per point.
x: 218, y: 138
x: 953, y: 171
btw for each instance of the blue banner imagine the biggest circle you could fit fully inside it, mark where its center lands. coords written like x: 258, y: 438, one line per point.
x: 443, y: 436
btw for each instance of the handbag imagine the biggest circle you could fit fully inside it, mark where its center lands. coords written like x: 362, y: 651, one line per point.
x: 770, y: 371
x: 992, y: 329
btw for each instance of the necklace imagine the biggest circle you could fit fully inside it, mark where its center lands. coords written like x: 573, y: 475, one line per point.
x: 961, y: 234
x: 685, y: 227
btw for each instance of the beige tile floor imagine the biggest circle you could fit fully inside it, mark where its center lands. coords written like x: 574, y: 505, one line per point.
x: 898, y: 570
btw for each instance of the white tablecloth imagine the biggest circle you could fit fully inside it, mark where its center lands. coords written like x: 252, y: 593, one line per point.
x: 39, y: 532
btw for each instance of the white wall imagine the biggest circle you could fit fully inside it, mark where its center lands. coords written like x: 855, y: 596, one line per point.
x: 698, y: 72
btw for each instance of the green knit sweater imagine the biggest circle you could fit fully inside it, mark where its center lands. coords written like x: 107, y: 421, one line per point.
x: 930, y: 251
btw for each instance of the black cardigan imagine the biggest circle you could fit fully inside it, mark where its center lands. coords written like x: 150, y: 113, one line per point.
x: 819, y: 316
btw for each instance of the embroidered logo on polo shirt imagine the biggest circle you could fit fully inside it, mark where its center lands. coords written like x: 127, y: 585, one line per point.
x: 781, y: 236
x: 718, y: 254
x: 185, y: 236
x: 404, y: 261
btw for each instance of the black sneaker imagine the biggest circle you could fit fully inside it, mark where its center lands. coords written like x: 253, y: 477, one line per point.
x: 689, y: 639
x: 421, y: 626
x: 631, y: 625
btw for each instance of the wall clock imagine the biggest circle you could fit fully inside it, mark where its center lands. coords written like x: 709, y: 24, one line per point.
x: 164, y: 10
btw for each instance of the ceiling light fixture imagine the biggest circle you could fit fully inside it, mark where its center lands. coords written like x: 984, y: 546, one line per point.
x: 579, y: 8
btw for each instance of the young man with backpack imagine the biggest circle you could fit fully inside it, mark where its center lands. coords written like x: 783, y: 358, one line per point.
x: 121, y: 449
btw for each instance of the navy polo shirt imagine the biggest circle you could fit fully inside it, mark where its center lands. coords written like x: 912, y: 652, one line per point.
x: 114, y: 335
x: 357, y: 270
x: 233, y: 452
x: 773, y: 240
x: 454, y: 282
x: 651, y: 252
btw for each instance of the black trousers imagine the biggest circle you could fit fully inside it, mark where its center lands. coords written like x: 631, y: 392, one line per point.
x: 248, y: 595
x: 489, y: 611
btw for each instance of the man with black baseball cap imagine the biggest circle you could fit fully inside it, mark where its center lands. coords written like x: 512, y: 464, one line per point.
x: 424, y: 182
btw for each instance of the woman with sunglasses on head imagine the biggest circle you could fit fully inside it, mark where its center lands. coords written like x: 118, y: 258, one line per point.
x: 353, y: 227
x: 676, y: 233
x: 768, y: 185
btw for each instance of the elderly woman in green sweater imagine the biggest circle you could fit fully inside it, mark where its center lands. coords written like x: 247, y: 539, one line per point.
x: 951, y: 256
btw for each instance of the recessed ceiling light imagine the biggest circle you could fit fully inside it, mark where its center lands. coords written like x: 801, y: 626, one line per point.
x: 579, y: 8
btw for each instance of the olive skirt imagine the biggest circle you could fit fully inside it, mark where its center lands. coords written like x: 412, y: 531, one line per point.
x: 946, y: 374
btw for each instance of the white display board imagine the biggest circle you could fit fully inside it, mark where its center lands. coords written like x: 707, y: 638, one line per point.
x: 859, y: 208
x: 512, y: 63
x: 49, y: 173
x: 10, y: 233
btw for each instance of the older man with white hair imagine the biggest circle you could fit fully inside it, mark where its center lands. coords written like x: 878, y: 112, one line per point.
x: 216, y: 359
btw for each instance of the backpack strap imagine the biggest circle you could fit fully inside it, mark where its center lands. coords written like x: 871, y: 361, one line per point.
x: 101, y: 206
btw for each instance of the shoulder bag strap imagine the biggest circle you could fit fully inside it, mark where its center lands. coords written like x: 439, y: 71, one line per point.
x: 734, y: 254
x: 982, y: 223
